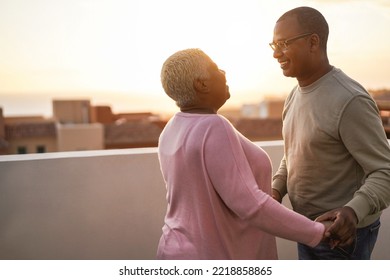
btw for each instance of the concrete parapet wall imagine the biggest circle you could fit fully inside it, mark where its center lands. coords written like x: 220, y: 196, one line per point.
x: 97, y: 205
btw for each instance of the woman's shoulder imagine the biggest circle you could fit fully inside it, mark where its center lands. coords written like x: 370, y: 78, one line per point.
x: 203, y: 119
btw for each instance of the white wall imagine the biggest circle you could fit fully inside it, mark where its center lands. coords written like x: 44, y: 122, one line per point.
x: 96, y: 205
x: 81, y: 205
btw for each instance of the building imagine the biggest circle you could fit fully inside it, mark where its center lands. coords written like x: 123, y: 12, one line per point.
x: 384, y: 108
x: 71, y: 111
x: 132, y: 134
x: 128, y: 130
x: 269, y: 108
x: 258, y: 129
x: 76, y: 125
x: 3, y: 143
x: 75, y: 132
x: 80, y: 137
x: 30, y: 135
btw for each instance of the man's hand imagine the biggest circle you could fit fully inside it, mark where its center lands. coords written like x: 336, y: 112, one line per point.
x: 276, y: 195
x: 343, y: 230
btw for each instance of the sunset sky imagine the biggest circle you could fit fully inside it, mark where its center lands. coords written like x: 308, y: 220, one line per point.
x: 112, y: 50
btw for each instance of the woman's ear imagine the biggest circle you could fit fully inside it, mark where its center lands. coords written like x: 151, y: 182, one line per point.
x: 200, y: 85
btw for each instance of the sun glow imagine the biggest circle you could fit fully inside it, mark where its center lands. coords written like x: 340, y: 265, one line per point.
x: 74, y: 47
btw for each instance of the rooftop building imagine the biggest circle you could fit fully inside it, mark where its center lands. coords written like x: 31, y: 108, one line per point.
x: 131, y: 134
x: 77, y: 125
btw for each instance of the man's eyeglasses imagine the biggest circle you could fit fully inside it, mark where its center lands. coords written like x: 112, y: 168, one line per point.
x: 283, y: 45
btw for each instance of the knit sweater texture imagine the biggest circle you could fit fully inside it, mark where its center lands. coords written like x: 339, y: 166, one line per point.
x: 336, y: 151
x: 218, y: 185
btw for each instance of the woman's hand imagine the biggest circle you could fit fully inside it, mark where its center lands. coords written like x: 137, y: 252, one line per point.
x: 342, y: 230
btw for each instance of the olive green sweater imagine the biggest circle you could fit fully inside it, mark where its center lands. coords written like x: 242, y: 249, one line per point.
x: 336, y: 151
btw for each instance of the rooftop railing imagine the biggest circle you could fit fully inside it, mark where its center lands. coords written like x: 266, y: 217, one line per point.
x: 107, y: 204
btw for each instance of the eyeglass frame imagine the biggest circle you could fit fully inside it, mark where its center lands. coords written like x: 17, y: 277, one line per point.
x: 278, y: 45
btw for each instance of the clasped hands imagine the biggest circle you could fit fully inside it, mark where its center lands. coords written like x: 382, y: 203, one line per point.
x: 340, y: 226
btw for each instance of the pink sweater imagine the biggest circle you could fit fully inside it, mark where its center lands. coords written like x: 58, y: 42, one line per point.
x: 218, y: 186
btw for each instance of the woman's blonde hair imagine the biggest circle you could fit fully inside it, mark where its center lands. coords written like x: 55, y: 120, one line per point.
x: 179, y: 72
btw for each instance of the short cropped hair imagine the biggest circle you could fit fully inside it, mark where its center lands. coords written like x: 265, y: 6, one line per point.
x: 179, y: 72
x: 311, y: 21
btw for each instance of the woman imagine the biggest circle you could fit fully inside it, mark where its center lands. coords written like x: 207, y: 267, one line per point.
x: 218, y: 182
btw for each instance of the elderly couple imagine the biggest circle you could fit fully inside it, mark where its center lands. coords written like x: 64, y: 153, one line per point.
x: 223, y: 202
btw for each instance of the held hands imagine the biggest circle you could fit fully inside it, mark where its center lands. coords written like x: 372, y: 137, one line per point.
x: 340, y: 226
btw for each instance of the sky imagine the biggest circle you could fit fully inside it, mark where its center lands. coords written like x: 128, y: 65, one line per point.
x: 111, y: 51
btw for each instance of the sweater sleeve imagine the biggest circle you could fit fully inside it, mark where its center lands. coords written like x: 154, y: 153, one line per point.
x: 279, y: 180
x: 362, y: 132
x: 232, y: 178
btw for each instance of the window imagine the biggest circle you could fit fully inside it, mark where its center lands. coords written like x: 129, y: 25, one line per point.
x: 22, y: 150
x: 41, y: 149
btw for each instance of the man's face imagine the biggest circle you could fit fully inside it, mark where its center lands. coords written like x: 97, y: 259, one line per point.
x: 293, y: 57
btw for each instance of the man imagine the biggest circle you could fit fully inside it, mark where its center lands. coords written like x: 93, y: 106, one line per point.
x: 336, y: 164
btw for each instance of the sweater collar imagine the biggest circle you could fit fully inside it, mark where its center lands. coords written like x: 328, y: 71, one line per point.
x: 319, y: 82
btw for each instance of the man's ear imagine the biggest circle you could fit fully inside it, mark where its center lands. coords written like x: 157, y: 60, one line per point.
x: 315, y: 41
x: 200, y: 85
